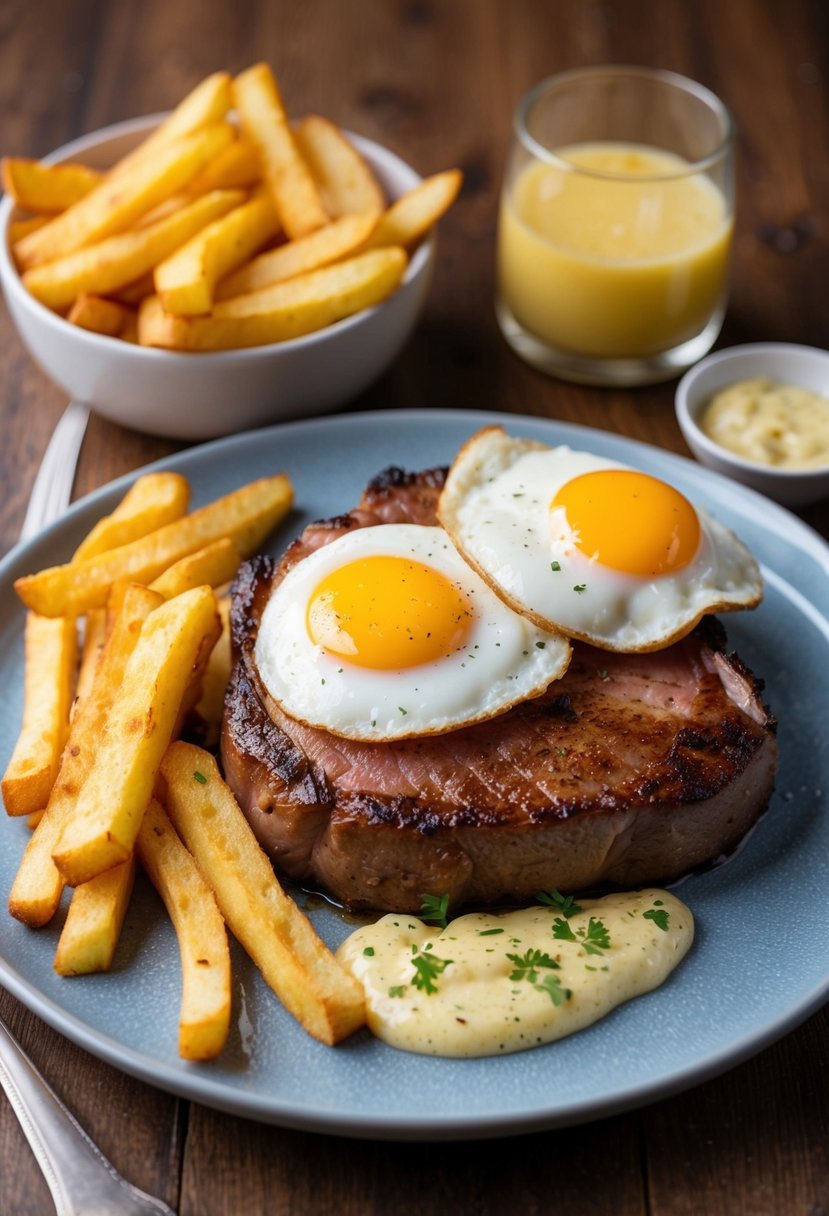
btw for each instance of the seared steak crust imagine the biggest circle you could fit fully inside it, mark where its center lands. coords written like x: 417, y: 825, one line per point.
x: 631, y: 769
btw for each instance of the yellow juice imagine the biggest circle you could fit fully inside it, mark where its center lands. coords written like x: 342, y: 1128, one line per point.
x: 609, y: 259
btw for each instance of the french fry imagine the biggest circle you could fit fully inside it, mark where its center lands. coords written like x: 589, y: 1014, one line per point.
x: 123, y: 197
x: 133, y: 293
x: 99, y: 315
x: 204, y: 1017
x: 411, y: 216
x: 111, y: 264
x: 205, y: 105
x: 245, y: 515
x: 329, y: 244
x: 153, y: 500
x: 345, y: 181
x: 94, y: 639
x: 214, y: 565
x: 49, y: 675
x: 175, y: 639
x: 93, y: 923
x: 287, y: 310
x: 185, y: 280
x: 210, y: 707
x: 39, y: 187
x: 38, y: 884
x: 235, y: 168
x: 298, y: 966
x: 265, y: 124
x: 20, y: 228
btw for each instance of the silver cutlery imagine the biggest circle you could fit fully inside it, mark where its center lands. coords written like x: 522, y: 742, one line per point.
x: 81, y: 1180
x: 52, y: 489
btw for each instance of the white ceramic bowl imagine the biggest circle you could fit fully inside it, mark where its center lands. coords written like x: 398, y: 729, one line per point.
x: 805, y: 366
x: 200, y: 396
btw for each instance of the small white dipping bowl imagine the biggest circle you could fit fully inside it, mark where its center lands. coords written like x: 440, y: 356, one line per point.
x: 804, y: 366
x: 200, y: 396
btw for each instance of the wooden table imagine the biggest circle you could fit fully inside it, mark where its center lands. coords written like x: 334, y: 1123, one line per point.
x: 437, y: 80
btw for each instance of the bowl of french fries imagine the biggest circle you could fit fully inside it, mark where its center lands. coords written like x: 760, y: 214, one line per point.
x: 220, y: 267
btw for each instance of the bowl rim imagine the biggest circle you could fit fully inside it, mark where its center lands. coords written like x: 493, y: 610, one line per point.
x: 687, y: 414
x: 12, y: 282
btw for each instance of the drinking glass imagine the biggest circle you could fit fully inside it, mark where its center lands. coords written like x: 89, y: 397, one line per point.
x: 615, y: 225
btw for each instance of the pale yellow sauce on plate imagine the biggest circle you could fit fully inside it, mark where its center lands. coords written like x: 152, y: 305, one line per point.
x: 489, y: 984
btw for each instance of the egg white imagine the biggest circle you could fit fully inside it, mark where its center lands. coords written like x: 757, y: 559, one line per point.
x: 505, y: 659
x: 495, y: 506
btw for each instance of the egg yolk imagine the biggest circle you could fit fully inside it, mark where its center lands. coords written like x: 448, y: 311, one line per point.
x: 630, y: 521
x: 388, y: 613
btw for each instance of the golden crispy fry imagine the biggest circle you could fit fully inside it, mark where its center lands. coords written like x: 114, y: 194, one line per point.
x: 206, y: 104
x: 153, y: 500
x: 246, y: 515
x: 235, y: 168
x: 20, y: 228
x: 210, y: 708
x: 175, y: 639
x: 111, y: 264
x: 38, y: 884
x: 133, y: 293
x: 49, y: 676
x: 411, y: 217
x: 185, y: 280
x: 287, y: 310
x: 265, y: 124
x: 95, y: 634
x: 346, y: 183
x: 329, y: 244
x: 100, y: 316
x: 39, y: 187
x: 93, y: 923
x: 204, y: 1018
x: 123, y: 196
x: 214, y: 565
x: 300, y: 968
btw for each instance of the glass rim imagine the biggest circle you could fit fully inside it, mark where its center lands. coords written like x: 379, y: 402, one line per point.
x: 661, y: 75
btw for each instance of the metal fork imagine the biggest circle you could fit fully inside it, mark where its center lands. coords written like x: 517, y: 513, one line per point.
x: 81, y: 1180
x: 52, y: 489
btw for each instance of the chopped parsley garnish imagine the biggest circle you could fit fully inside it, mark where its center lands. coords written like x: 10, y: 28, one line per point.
x: 593, y: 940
x: 489, y: 932
x: 603, y: 673
x: 551, y: 984
x: 540, y: 645
x: 369, y: 952
x: 427, y: 968
x: 555, y: 567
x: 527, y: 964
x: 580, y: 587
x: 660, y: 916
x: 402, y: 710
x: 434, y: 908
x: 200, y: 777
x: 565, y: 904
x: 398, y: 990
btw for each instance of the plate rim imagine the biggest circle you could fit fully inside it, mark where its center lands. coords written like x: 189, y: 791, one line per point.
x: 201, y: 1087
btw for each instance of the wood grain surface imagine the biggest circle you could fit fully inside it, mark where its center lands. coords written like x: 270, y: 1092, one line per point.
x: 437, y: 81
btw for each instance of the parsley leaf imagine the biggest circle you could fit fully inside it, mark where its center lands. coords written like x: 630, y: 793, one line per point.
x: 526, y: 964
x: 434, y: 908
x: 659, y: 916
x: 427, y: 968
x: 397, y: 990
x: 555, y: 567
x: 565, y: 904
x: 580, y: 587
x: 596, y: 938
x: 551, y: 984
x: 562, y: 931
x: 200, y: 777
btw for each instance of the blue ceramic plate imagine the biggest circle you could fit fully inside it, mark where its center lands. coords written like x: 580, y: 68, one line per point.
x: 760, y: 963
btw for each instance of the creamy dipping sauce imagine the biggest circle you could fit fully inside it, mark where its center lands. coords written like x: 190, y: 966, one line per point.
x: 490, y: 984
x: 778, y: 425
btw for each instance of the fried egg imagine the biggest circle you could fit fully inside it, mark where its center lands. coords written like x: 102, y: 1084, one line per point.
x: 590, y: 547
x: 387, y: 633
